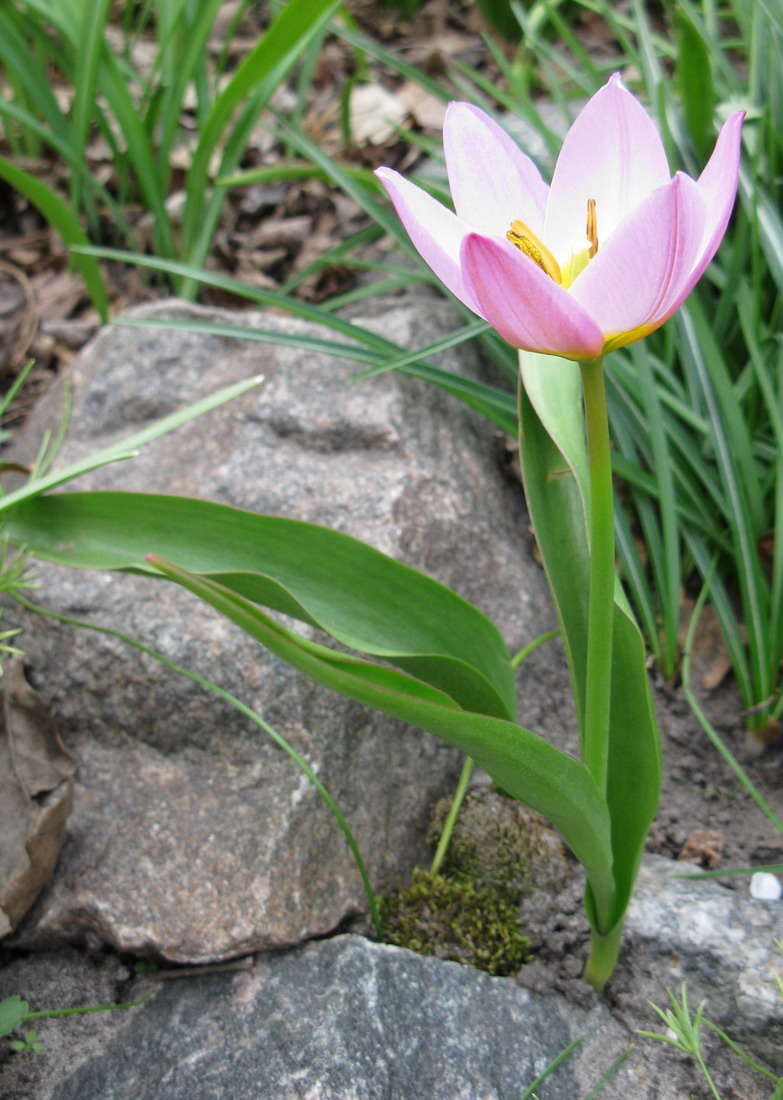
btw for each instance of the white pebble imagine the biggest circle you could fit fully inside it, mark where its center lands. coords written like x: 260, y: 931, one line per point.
x: 765, y: 886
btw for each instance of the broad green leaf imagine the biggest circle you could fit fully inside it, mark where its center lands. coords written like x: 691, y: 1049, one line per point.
x: 523, y: 763
x: 554, y: 468
x: 739, y: 473
x: 363, y: 598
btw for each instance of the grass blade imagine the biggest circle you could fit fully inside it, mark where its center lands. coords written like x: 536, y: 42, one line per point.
x: 261, y: 72
x: 59, y: 215
x: 93, y: 23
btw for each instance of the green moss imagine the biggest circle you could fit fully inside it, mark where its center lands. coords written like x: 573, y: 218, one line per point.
x: 499, y: 845
x: 454, y: 919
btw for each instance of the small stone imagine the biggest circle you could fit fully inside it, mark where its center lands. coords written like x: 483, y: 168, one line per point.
x: 765, y: 886
x: 704, y: 847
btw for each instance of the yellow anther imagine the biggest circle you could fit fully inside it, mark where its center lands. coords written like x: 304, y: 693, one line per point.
x: 526, y: 241
x: 592, y: 228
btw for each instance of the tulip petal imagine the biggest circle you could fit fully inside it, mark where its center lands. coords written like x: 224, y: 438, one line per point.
x: 612, y: 154
x: 492, y: 181
x: 435, y: 231
x: 637, y: 279
x: 718, y: 186
x: 522, y: 303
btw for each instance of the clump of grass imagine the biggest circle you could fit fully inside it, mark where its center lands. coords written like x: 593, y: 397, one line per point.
x: 138, y: 114
x: 684, y: 1033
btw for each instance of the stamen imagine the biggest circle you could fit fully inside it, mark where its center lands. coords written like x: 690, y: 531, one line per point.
x: 526, y: 241
x: 592, y: 228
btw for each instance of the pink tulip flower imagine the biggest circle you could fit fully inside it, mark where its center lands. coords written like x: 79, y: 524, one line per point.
x: 601, y: 257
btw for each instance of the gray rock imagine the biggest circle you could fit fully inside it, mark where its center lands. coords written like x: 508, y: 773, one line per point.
x: 192, y: 837
x: 342, y: 1019
x: 721, y: 942
x: 48, y: 982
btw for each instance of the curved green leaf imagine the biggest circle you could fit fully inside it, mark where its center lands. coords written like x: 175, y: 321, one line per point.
x: 520, y: 761
x: 361, y: 597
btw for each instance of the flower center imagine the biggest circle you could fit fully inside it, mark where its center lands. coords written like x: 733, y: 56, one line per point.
x: 523, y: 238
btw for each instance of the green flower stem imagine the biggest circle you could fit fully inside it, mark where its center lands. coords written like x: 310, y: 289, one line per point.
x: 526, y: 650
x: 595, y: 734
x: 451, y: 820
x: 604, y: 951
x: 598, y: 679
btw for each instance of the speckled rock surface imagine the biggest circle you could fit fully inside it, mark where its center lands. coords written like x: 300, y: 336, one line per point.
x: 718, y: 940
x: 342, y: 1019
x: 192, y: 837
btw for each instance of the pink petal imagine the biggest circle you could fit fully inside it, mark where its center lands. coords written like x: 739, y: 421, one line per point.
x: 718, y: 186
x: 637, y: 280
x: 612, y: 154
x: 492, y: 181
x: 435, y: 231
x: 523, y: 304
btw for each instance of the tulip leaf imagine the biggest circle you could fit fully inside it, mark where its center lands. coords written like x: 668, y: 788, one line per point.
x: 554, y: 464
x: 364, y: 599
x: 521, y: 762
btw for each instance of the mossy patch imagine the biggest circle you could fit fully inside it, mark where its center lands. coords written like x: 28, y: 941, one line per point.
x: 500, y: 845
x: 454, y: 919
x: 499, y: 851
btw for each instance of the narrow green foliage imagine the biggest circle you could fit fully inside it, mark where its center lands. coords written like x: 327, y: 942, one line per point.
x: 720, y: 745
x: 685, y: 1034
x: 557, y: 1061
x: 684, y: 1031
x: 139, y: 116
